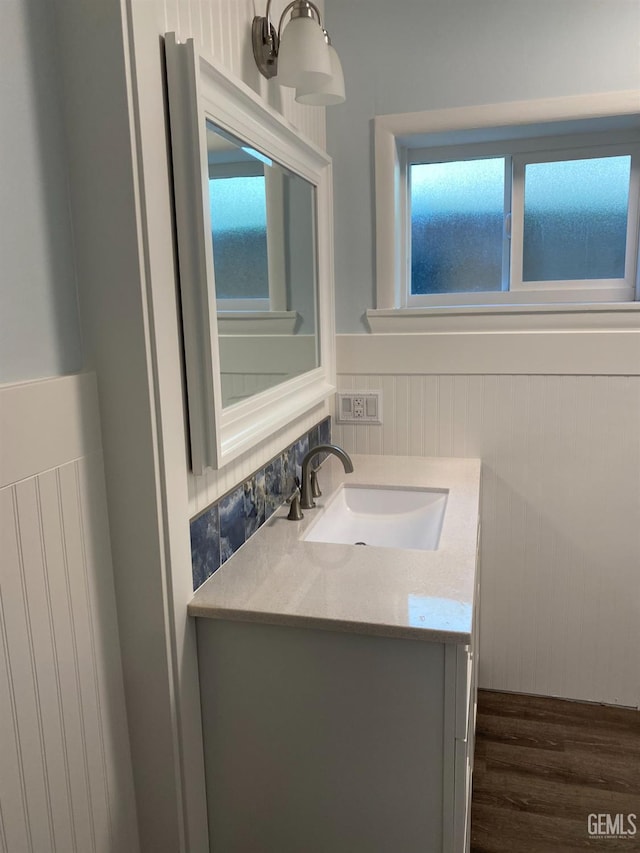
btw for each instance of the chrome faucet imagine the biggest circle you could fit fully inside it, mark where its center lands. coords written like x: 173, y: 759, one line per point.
x: 307, y: 501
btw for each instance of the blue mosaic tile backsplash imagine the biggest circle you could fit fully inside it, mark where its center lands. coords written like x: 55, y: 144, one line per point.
x: 223, y: 527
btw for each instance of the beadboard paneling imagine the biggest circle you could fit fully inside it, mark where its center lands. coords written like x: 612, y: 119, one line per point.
x: 560, y: 517
x: 222, y: 28
x: 66, y: 781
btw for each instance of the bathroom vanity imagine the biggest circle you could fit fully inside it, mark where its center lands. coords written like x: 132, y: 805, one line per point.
x: 338, y: 681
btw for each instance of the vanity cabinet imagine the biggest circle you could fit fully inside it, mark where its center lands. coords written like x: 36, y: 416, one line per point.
x: 338, y: 683
x: 335, y: 741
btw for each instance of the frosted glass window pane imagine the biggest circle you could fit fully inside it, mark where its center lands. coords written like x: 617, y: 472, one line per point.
x: 575, y: 219
x: 239, y: 230
x: 457, y: 215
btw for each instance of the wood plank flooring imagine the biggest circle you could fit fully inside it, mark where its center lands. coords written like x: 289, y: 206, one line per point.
x: 543, y: 765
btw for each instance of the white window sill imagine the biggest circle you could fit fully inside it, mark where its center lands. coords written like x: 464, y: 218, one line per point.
x: 257, y: 322
x: 506, y: 318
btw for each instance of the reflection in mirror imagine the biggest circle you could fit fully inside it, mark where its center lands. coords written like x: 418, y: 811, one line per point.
x: 265, y: 267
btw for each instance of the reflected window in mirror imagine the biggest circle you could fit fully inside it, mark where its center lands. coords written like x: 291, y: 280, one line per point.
x: 239, y: 233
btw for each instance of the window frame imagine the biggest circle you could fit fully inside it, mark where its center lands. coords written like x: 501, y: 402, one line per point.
x: 498, y: 130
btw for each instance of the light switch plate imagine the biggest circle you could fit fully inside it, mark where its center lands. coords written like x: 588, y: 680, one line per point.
x: 359, y: 407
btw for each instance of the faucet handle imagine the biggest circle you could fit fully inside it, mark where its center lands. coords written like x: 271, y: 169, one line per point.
x: 315, y: 486
x: 295, y: 513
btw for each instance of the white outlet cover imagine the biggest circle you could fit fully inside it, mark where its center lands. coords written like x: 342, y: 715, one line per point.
x: 359, y: 407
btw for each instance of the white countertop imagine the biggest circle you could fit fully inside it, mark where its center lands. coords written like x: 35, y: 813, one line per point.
x: 277, y: 578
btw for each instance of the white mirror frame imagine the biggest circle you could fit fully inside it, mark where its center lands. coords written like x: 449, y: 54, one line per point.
x: 199, y: 89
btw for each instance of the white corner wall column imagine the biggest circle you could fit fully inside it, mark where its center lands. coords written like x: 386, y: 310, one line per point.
x: 107, y: 211
x: 221, y: 30
x: 129, y: 306
x: 556, y: 422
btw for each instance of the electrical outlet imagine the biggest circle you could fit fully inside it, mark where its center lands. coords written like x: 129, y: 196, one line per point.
x: 359, y: 407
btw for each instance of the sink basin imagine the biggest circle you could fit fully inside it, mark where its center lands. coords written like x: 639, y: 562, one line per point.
x: 387, y: 517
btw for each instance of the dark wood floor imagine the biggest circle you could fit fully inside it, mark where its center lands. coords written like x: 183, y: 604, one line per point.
x: 543, y: 765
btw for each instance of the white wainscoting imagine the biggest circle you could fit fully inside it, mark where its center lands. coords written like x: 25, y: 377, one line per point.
x: 65, y: 767
x: 250, y: 364
x: 560, y: 515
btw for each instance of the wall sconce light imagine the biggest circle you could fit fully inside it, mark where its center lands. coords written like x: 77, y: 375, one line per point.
x: 301, y: 55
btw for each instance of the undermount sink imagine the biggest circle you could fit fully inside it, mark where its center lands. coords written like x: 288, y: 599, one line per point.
x: 388, y: 517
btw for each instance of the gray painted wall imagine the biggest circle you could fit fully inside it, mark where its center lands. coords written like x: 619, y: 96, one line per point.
x: 39, y: 323
x: 416, y: 55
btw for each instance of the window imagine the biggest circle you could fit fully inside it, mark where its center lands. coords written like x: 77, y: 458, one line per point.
x: 546, y: 220
x: 458, y: 235
x: 575, y: 218
x: 529, y: 207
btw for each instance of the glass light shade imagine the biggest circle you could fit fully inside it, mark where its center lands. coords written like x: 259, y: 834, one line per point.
x: 303, y: 55
x: 326, y: 94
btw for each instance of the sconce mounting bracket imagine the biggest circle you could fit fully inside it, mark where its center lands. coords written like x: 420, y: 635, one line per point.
x: 265, y: 46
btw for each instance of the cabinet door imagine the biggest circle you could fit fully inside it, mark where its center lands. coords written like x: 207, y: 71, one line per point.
x: 464, y: 740
x: 461, y: 672
x: 462, y: 799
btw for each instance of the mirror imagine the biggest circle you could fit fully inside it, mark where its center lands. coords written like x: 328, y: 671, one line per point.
x: 264, y: 261
x: 255, y: 256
